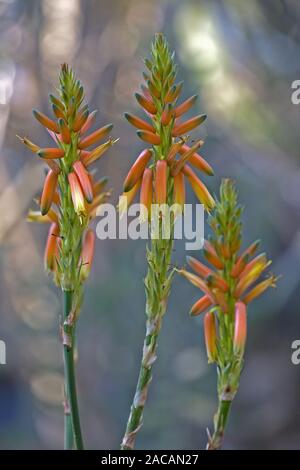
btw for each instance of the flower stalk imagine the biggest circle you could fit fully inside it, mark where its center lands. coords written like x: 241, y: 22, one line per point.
x: 69, y: 202
x: 159, y: 171
x: 229, y: 284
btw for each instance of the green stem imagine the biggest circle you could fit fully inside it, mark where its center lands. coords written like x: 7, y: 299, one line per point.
x: 158, y: 283
x: 220, y: 421
x: 72, y: 421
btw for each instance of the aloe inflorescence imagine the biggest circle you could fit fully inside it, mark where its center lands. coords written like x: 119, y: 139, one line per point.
x: 229, y: 283
x: 160, y: 173
x: 68, y: 202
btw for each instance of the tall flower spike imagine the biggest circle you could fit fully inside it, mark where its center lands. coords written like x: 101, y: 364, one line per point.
x: 229, y: 286
x: 159, y: 172
x: 69, y: 186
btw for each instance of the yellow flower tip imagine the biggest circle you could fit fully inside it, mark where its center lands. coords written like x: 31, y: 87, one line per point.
x: 33, y: 147
x: 84, y: 180
x: 127, y: 197
x: 76, y: 194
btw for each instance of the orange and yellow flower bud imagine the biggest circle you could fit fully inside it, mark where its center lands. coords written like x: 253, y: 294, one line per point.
x: 185, y: 157
x: 161, y: 182
x: 173, y: 93
x: 48, y: 191
x: 240, y: 328
x: 197, y: 161
x: 146, y: 195
x: 146, y: 103
x: 88, y: 122
x: 216, y: 281
x: 211, y: 255
x: 260, y: 289
x: 80, y: 120
x: 87, y: 254
x: 185, y: 106
x: 50, y: 153
x: 200, y: 306
x: 58, y: 111
x: 175, y: 148
x: 88, y: 158
x: 239, y: 265
x: 95, y: 136
x: 198, y: 267
x: 167, y: 115
x: 76, y: 194
x: 199, y: 188
x: 189, y: 125
x: 84, y: 180
x: 137, y: 169
x: 64, y: 131
x: 45, y: 121
x: 179, y: 190
x: 33, y: 147
x: 51, y: 247
x: 139, y: 123
x: 210, y: 336
x: 196, y: 281
x: 251, y: 273
x: 149, y: 137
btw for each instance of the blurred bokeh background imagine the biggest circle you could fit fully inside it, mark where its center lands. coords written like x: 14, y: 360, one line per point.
x: 241, y: 58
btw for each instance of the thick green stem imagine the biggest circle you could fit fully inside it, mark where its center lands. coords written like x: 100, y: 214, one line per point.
x: 220, y: 421
x: 158, y: 283
x: 72, y: 421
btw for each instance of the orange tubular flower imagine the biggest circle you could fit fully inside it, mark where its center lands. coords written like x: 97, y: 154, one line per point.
x: 177, y: 167
x: 137, y: 169
x: 88, y: 122
x: 64, y: 131
x: 51, y: 247
x: 210, y: 335
x: 198, y: 267
x: 199, y: 188
x: 84, y: 180
x: 146, y: 194
x: 161, y: 182
x: 50, y: 153
x: 189, y: 125
x: 77, y: 194
x: 87, y: 254
x: 146, y: 103
x: 48, y: 191
x: 196, y: 160
x: 149, y: 137
x: 45, y: 121
x: 139, y: 123
x: 94, y: 137
x: 185, y: 106
x: 240, y: 328
x: 200, y: 306
x: 80, y: 120
x: 167, y: 115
